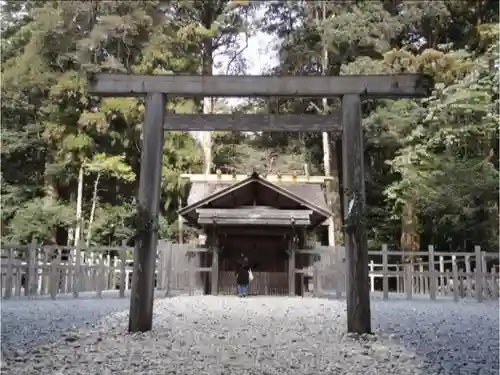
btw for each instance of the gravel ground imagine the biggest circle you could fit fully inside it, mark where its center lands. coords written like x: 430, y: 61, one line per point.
x: 257, y: 335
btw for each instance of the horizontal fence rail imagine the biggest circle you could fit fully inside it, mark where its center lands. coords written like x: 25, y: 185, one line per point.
x: 35, y: 270
x: 421, y: 273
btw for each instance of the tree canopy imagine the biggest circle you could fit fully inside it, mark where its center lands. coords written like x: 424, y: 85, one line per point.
x: 431, y: 164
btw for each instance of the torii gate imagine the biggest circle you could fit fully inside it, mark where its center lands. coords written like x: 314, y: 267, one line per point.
x: 352, y: 89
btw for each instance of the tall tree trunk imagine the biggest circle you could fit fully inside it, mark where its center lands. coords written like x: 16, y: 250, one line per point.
x: 328, y: 172
x: 92, y: 210
x: 330, y: 163
x: 71, y: 230
x: 207, y: 139
x: 207, y: 69
x: 79, y: 204
x: 336, y: 201
x: 410, y: 239
x: 51, y: 196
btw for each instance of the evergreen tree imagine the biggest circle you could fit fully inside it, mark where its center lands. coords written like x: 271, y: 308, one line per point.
x: 432, y: 165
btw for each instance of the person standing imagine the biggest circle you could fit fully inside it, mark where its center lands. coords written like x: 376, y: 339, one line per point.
x: 243, y: 277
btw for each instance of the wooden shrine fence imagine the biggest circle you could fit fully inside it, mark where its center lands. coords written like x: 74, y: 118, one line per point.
x: 32, y: 270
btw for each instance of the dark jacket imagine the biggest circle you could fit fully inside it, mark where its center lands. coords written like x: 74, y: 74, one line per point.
x: 242, y: 276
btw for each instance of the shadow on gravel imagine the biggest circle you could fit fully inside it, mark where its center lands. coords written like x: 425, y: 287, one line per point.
x: 453, y: 338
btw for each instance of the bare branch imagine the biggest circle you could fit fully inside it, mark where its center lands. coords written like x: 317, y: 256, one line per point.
x: 237, y: 54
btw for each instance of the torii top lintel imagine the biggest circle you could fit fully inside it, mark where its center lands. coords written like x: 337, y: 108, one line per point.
x: 381, y: 86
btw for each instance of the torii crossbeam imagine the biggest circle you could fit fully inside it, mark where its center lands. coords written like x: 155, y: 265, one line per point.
x: 352, y: 89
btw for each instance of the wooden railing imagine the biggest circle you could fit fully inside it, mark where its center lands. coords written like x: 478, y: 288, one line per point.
x: 35, y: 270
x: 32, y: 270
x: 430, y: 273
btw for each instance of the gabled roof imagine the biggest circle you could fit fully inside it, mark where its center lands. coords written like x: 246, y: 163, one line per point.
x: 308, y: 195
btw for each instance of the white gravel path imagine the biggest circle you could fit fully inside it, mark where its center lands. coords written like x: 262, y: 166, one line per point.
x: 257, y: 335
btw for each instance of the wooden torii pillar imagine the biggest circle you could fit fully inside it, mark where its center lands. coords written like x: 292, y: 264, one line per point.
x: 351, y: 88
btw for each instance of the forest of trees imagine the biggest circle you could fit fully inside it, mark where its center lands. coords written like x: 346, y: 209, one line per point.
x: 431, y: 165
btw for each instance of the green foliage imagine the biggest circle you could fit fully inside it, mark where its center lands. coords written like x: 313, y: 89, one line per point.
x: 115, y: 166
x: 51, y: 126
x: 440, y: 154
x: 446, y: 161
x: 113, y: 223
x: 36, y: 218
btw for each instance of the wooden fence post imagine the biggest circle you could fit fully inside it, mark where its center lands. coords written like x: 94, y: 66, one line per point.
x: 441, y: 276
x: 63, y: 271
x: 319, y: 270
x: 128, y: 279
x: 160, y: 285
x: 123, y: 273
x: 385, y: 271
x: 45, y: 278
x: 30, y: 265
x: 18, y: 273
x: 371, y: 266
x: 398, y: 278
x: 340, y: 277
x: 55, y: 274
x: 456, y: 283
x: 315, y: 277
x: 109, y: 273
x: 432, y: 274
x: 114, y: 279
x: 77, y: 271
x: 479, y: 286
x: 468, y: 271
x: 168, y: 268
x: 190, y: 273
x: 9, y: 275
x: 86, y: 271
x: 484, y: 279
x: 421, y: 279
x: 414, y: 280
x: 495, y: 282
x: 69, y: 271
x: 462, y: 284
x: 92, y: 271
x: 408, y: 280
x: 163, y: 249
x: 291, y: 271
x: 215, y: 270
x: 101, y: 275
